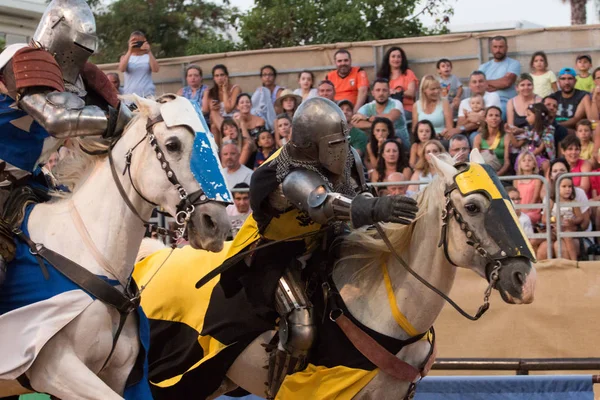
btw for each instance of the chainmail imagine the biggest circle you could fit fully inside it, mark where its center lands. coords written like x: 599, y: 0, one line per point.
x: 285, y: 162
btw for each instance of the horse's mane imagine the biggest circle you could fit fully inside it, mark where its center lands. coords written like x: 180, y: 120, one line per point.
x: 365, y: 245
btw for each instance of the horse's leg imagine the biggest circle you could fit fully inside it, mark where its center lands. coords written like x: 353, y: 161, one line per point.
x: 66, y: 366
x: 248, y: 370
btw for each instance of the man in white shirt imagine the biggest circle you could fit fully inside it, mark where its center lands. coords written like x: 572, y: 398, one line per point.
x: 232, y: 169
x: 469, y: 124
x: 240, y: 209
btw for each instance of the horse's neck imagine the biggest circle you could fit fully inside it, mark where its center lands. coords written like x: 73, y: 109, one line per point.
x: 366, y: 296
x: 113, y: 228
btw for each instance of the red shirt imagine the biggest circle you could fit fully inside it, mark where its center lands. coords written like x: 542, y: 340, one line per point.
x: 347, y: 88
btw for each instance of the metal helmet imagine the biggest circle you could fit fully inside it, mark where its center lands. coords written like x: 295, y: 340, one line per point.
x: 320, y: 129
x: 68, y: 31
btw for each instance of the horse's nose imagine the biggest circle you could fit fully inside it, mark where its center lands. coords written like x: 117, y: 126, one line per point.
x: 518, y: 278
x: 209, y: 223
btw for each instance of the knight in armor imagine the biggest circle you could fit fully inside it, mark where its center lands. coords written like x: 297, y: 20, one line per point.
x: 50, y: 92
x: 316, y: 180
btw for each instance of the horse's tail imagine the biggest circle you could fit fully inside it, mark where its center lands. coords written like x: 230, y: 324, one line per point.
x: 148, y: 247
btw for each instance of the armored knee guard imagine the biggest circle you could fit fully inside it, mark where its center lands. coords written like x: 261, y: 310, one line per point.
x: 297, y: 331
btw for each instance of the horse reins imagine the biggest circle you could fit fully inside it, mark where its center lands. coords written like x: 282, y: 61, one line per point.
x: 472, y: 240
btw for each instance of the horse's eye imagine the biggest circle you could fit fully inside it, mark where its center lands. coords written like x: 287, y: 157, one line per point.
x: 173, y: 146
x: 472, y: 208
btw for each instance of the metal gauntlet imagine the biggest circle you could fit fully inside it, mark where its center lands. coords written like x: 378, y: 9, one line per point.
x: 64, y: 115
x: 307, y: 191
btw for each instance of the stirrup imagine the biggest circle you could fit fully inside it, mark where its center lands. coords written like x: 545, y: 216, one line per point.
x: 281, y: 364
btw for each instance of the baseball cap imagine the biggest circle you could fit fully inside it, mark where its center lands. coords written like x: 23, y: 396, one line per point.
x: 567, y: 71
x: 345, y: 101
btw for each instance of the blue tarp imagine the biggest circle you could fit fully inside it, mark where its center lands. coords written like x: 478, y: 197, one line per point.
x: 509, y: 387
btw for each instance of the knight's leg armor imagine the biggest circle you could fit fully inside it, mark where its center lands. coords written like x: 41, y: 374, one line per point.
x: 297, y: 330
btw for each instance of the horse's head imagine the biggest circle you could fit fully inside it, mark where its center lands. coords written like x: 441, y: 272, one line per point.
x: 482, y: 231
x: 178, y: 168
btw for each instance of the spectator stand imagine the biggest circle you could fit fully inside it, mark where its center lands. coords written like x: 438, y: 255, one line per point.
x: 581, y: 235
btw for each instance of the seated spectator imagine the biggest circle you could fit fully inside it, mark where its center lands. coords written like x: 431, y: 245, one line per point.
x: 113, y: 78
x: 571, y: 150
x: 468, y: 123
x: 358, y: 139
x: 537, y: 138
x: 459, y: 148
x: 501, y: 71
x: 595, y: 96
x: 544, y: 80
x: 403, y: 82
x: 287, y: 103
x: 529, y: 188
x: 233, y: 170
x: 391, y: 159
x: 383, y: 106
x: 195, y: 89
x: 431, y: 106
x: 219, y: 101
x: 327, y: 90
x: 240, y: 209
x: 515, y: 197
x: 266, y: 147
x: 560, y: 132
x: 423, y: 170
x: 583, y: 131
x: 393, y: 190
x: 283, y: 129
x: 477, y: 105
x: 573, y: 104
x: 381, y: 130
x: 423, y: 132
x: 569, y: 217
x: 233, y: 134
x: 138, y: 64
x: 306, y: 80
x: 585, y: 80
x: 516, y: 108
x: 451, y: 86
x: 264, y: 96
x: 250, y: 124
x: 491, y: 141
x: 268, y: 75
x: 351, y: 83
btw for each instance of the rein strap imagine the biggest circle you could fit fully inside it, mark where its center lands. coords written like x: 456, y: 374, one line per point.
x: 400, y: 318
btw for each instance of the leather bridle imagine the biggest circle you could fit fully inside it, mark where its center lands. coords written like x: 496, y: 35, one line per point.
x: 187, y: 203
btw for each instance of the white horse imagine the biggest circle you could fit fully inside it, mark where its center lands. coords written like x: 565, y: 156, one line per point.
x: 469, y: 213
x: 64, y: 354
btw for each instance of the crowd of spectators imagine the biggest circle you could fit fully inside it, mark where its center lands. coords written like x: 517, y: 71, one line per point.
x: 523, y: 123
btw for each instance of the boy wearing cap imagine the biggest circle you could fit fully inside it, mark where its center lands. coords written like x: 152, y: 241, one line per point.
x: 585, y: 80
x: 573, y: 104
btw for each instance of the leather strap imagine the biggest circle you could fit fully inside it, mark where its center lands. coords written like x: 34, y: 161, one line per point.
x: 377, y: 354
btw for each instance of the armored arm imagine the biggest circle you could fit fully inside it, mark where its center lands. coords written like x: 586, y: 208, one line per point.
x: 64, y: 114
x: 307, y: 191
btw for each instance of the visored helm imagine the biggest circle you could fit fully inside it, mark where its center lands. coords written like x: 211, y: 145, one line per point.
x: 320, y: 130
x: 68, y: 31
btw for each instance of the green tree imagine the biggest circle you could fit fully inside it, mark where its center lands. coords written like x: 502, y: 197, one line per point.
x: 171, y: 26
x: 281, y: 23
x: 578, y: 11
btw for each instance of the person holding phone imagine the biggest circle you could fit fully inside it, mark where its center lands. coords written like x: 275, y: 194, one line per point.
x: 138, y: 64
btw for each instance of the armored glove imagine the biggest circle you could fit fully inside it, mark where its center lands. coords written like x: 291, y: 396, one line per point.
x: 369, y: 210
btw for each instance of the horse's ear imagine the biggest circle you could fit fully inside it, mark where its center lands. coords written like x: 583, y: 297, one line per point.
x: 147, y: 107
x: 476, y: 157
x: 447, y: 171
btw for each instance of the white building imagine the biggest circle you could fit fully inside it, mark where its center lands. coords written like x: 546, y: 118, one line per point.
x: 19, y: 18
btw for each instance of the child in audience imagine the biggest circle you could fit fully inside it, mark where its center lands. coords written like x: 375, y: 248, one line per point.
x: 266, y: 147
x: 568, y: 217
x: 584, y: 133
x: 283, y: 129
x: 544, y: 80
x: 423, y: 132
x: 477, y: 105
x: 529, y: 188
x: 585, y: 80
x: 538, y: 137
x: 451, y: 86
